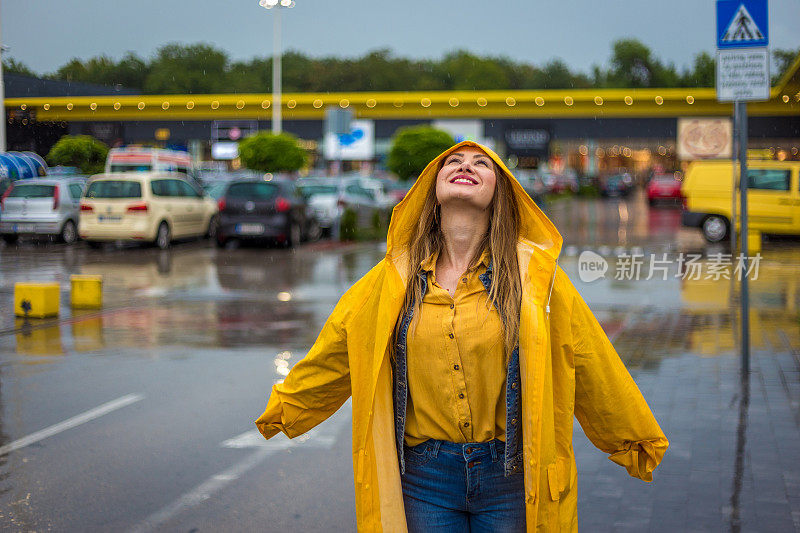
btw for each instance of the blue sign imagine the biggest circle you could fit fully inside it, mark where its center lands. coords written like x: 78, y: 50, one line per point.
x: 742, y: 24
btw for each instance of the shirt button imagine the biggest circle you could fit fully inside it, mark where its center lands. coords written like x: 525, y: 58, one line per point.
x: 456, y: 367
x: 466, y: 424
x: 513, y: 385
x: 539, y: 267
x: 513, y: 420
x: 452, y: 306
x: 451, y: 335
x: 461, y: 395
x: 464, y: 280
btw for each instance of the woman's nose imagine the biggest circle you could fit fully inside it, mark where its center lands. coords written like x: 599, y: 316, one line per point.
x: 466, y: 166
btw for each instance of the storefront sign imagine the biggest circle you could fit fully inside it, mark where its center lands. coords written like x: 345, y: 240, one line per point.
x: 528, y: 141
x: 704, y: 138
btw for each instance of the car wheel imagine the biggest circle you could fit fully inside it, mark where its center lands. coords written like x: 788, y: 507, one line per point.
x: 94, y: 245
x: 213, y: 227
x: 221, y: 242
x: 294, y: 235
x: 163, y: 237
x: 10, y: 239
x: 69, y: 234
x: 314, y: 232
x: 715, y: 228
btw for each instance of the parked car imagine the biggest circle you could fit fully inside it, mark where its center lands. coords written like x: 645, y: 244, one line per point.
x: 41, y: 206
x: 772, y: 197
x: 616, y: 185
x: 154, y: 207
x: 328, y: 197
x: 664, y: 187
x: 397, y: 190
x: 560, y: 183
x: 265, y: 209
x: 533, y: 184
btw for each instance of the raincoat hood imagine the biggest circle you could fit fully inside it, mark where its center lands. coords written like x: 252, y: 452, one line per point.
x: 535, y: 227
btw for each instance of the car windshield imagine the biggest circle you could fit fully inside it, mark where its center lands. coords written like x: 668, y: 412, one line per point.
x: 253, y: 191
x: 132, y: 168
x: 32, y: 191
x: 312, y: 190
x: 215, y: 190
x: 114, y: 189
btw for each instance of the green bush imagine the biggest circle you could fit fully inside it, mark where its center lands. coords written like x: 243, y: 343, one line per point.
x: 82, y: 151
x: 267, y: 152
x: 414, y: 147
x: 348, y: 225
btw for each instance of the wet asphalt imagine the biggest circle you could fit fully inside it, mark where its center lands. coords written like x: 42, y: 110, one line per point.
x: 147, y: 405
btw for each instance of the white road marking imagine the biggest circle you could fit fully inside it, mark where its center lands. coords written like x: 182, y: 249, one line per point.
x: 322, y: 436
x: 70, y: 423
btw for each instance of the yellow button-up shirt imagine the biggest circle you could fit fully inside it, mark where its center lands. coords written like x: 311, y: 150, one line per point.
x: 456, y: 363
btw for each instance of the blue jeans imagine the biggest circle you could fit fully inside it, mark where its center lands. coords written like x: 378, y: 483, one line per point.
x: 458, y: 488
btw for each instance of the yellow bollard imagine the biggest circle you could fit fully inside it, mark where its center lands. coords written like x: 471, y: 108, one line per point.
x: 86, y: 292
x: 36, y: 300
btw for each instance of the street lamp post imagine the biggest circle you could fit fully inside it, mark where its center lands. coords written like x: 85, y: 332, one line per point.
x: 276, y: 58
x: 2, y: 103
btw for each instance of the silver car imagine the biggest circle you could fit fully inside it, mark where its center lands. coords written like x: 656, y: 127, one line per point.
x: 41, y: 206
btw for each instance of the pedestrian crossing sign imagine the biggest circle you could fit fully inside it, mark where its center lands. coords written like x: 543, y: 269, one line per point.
x: 742, y: 24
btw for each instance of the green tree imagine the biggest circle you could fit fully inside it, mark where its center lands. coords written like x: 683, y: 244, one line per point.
x: 703, y: 72
x: 82, y: 151
x: 192, y: 69
x: 413, y: 147
x: 782, y: 60
x: 465, y: 71
x: 632, y: 65
x: 268, y: 152
x: 12, y: 66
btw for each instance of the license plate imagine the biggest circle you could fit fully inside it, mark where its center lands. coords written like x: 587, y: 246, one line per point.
x: 24, y: 228
x: 108, y: 218
x: 249, y: 229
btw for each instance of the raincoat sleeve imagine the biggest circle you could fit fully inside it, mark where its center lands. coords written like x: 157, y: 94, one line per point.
x: 316, y: 386
x: 608, y: 404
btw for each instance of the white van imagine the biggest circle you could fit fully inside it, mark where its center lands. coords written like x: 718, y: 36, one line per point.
x: 148, y: 159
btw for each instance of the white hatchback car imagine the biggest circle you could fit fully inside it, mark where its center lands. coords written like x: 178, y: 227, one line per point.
x: 154, y: 207
x: 41, y: 206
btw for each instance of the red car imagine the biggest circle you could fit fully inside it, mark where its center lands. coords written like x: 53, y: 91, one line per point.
x: 664, y: 187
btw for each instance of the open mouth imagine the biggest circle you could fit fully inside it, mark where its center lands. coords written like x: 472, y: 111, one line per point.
x: 464, y: 179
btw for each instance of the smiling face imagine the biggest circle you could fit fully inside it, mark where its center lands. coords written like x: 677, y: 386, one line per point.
x: 467, y: 176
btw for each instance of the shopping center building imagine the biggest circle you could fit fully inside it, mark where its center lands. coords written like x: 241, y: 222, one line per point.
x: 591, y: 130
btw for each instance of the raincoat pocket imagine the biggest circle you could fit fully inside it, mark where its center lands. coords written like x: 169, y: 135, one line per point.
x: 559, y: 475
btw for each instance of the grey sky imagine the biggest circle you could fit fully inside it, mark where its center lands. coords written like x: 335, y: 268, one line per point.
x: 45, y: 34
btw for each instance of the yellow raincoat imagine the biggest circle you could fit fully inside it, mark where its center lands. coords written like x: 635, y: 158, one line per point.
x: 567, y: 364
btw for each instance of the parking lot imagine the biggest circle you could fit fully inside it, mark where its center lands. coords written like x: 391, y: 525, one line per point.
x: 139, y: 416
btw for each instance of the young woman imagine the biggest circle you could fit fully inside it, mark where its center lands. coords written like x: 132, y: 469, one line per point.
x: 467, y: 352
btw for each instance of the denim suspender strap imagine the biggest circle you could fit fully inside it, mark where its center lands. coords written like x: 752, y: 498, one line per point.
x: 400, y: 374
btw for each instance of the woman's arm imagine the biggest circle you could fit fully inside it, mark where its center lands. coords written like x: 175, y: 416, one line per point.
x: 608, y: 404
x: 314, y: 389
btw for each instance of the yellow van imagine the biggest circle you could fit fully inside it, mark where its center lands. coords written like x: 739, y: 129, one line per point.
x: 773, y: 199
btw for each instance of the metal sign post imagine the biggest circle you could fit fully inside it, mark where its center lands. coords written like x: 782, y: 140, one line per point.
x: 742, y: 76
x: 741, y: 114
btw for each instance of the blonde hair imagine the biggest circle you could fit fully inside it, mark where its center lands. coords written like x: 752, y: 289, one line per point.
x: 505, y: 293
